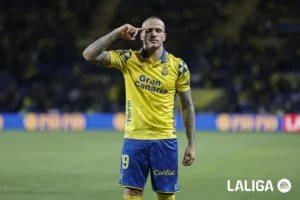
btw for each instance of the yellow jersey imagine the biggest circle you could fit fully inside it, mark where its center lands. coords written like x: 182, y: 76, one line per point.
x: 150, y: 92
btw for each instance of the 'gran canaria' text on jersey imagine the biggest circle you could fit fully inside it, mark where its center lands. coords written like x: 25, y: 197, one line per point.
x: 150, y: 84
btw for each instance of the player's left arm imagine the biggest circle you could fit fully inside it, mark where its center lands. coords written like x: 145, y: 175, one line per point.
x: 187, y: 111
x: 188, y: 117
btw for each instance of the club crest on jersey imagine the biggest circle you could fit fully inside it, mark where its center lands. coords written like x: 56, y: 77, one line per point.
x: 164, y: 71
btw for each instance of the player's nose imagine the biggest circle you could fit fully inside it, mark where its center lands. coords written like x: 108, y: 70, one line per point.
x: 154, y: 33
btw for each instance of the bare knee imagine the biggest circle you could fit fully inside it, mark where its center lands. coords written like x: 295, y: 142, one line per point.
x: 133, y: 192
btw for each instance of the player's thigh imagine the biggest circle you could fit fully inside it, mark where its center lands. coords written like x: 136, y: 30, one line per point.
x: 134, y: 164
x: 164, y: 166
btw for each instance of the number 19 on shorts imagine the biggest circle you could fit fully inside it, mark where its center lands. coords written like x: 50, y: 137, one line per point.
x: 125, y: 161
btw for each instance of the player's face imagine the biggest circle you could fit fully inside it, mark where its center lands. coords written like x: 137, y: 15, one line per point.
x: 154, y: 34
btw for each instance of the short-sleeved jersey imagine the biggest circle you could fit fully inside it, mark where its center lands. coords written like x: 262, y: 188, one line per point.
x: 150, y: 92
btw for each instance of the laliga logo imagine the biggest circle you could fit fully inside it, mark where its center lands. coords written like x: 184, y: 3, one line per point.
x: 284, y: 186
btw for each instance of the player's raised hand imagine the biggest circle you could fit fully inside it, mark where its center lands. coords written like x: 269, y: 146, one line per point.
x: 189, y: 155
x: 128, y: 31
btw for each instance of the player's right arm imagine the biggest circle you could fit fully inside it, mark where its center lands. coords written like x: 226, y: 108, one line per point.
x: 95, y: 53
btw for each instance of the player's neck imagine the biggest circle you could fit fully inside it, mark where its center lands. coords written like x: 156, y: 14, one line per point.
x: 154, y: 55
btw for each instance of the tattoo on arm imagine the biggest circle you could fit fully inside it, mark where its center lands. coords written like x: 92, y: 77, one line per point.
x: 188, y: 115
x: 95, y: 52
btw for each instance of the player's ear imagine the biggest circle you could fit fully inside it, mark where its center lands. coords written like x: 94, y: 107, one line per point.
x: 165, y: 37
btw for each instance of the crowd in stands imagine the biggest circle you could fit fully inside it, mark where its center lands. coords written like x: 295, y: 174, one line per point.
x: 41, y: 68
x: 266, y: 77
x: 38, y: 52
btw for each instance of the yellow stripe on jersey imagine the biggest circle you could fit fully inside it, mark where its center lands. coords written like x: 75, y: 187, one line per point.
x: 150, y: 92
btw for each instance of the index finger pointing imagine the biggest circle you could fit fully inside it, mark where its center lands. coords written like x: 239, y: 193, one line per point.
x: 140, y: 29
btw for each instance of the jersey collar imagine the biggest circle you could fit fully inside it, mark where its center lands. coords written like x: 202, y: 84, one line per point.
x: 163, y: 57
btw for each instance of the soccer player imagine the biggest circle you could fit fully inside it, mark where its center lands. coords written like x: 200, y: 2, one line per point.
x: 152, y: 79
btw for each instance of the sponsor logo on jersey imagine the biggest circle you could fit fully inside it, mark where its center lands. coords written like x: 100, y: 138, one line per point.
x: 149, y: 84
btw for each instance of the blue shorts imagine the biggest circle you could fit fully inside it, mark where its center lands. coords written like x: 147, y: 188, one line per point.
x: 157, y: 157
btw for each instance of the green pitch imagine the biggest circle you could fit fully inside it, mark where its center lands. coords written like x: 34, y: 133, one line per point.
x: 85, y: 165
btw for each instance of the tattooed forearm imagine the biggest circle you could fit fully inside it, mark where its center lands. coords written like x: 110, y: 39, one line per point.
x: 188, y: 115
x: 95, y: 52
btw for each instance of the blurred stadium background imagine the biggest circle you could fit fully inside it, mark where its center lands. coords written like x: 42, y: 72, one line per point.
x: 61, y: 118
